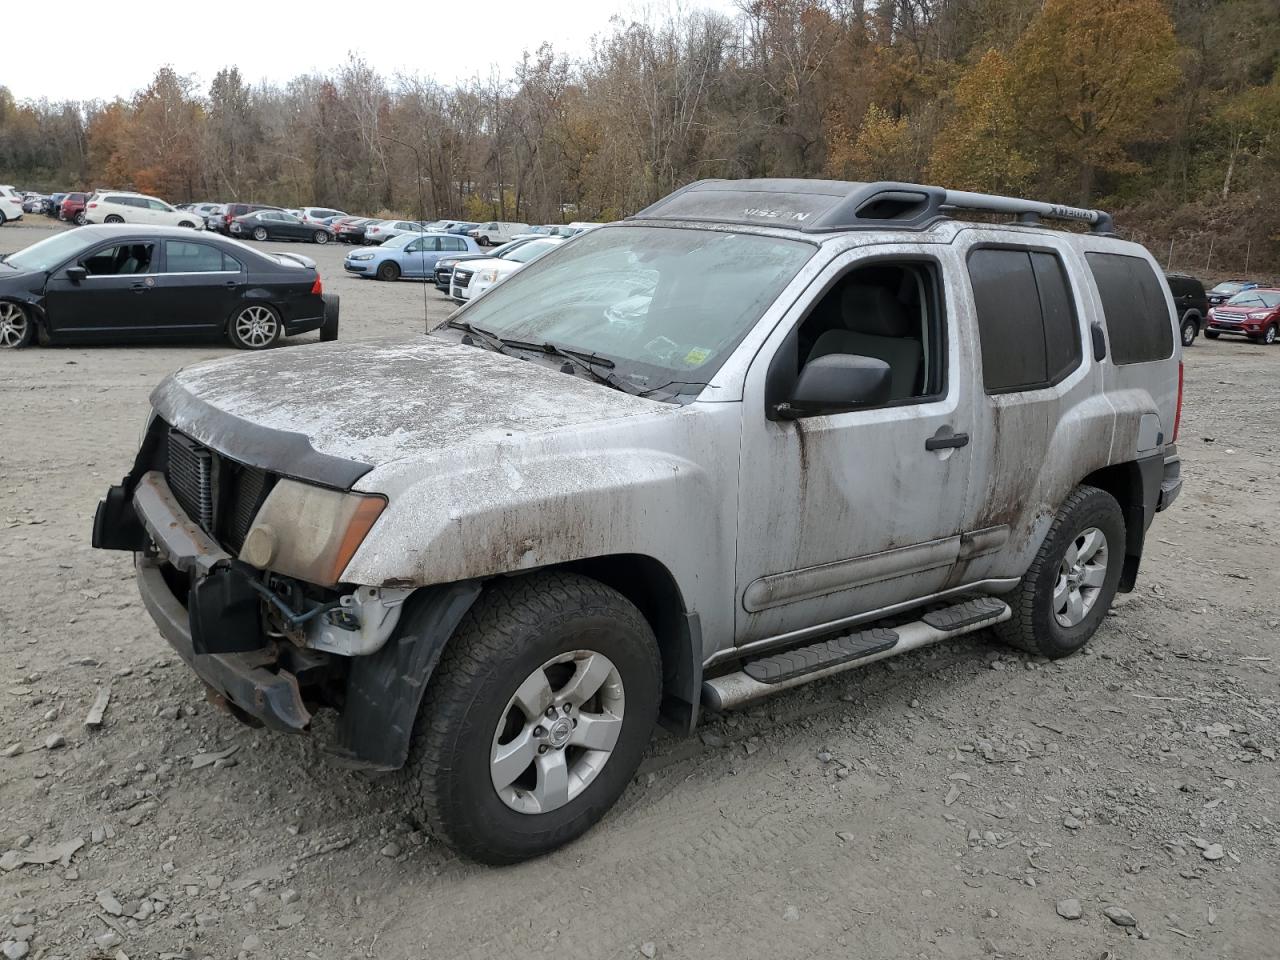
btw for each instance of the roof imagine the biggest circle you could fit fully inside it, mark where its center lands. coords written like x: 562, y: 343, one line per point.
x: 831, y: 206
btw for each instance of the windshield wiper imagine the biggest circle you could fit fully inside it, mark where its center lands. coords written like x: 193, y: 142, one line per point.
x: 495, y: 343
x: 588, y: 362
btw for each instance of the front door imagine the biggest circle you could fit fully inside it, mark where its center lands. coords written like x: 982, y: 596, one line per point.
x: 421, y: 256
x: 847, y: 513
x: 114, y: 298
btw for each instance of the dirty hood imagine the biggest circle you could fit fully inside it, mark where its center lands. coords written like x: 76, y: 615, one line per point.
x: 332, y: 412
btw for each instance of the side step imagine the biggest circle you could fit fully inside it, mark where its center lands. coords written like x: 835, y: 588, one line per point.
x: 781, y: 671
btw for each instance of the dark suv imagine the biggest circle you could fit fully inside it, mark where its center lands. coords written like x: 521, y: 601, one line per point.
x: 233, y: 210
x: 1192, y: 304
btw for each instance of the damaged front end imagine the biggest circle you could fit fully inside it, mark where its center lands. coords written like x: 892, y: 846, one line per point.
x: 240, y: 568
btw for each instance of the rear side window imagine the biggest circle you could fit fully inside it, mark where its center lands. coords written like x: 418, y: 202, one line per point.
x: 1026, y: 318
x: 1138, y: 322
x: 185, y: 257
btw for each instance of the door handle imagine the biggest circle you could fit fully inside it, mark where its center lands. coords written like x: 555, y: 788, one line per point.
x: 139, y: 287
x: 944, y: 439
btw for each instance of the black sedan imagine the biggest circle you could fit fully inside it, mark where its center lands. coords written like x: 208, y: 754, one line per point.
x: 105, y: 284
x: 277, y: 225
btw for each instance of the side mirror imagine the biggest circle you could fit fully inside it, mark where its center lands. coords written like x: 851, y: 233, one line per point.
x: 77, y: 273
x: 835, y: 383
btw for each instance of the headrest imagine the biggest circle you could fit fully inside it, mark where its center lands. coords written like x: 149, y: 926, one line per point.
x: 875, y: 311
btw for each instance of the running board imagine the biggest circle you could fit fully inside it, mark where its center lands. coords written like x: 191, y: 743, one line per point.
x: 767, y: 675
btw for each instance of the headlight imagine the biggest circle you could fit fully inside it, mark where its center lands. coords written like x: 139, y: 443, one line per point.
x: 361, y: 256
x: 309, y: 532
x: 488, y: 276
x: 445, y: 264
x: 1260, y: 315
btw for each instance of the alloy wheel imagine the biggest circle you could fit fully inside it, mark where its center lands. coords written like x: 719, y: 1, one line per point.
x: 257, y: 326
x: 259, y: 233
x: 13, y: 325
x: 1080, y: 577
x: 557, y: 732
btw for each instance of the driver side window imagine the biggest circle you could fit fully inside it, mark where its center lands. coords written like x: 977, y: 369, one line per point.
x: 121, y: 260
x: 886, y: 310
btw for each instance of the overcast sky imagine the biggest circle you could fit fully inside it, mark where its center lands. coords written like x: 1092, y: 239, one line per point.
x: 270, y: 40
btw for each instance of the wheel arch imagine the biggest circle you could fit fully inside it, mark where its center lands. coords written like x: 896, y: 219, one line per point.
x: 1135, y: 485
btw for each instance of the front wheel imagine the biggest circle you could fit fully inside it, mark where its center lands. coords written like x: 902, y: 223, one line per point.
x: 255, y: 327
x: 259, y: 233
x: 1189, y: 330
x: 320, y: 237
x: 113, y: 218
x: 389, y: 270
x: 1268, y: 337
x: 1070, y: 584
x: 536, y: 718
x: 16, y: 328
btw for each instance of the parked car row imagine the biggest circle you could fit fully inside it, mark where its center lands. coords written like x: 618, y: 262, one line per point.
x: 1248, y: 308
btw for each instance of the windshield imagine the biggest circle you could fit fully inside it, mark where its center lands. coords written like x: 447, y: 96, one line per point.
x: 526, y: 252
x: 666, y: 305
x: 48, y: 253
x: 1228, y: 286
x: 1256, y: 298
x: 402, y: 240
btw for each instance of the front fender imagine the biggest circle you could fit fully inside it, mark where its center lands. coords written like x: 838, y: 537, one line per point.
x: 507, y: 515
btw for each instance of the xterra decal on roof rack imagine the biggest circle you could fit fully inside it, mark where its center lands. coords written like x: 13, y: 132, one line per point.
x: 830, y: 206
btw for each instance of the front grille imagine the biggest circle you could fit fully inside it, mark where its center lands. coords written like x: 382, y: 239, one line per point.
x: 219, y: 494
x: 249, y: 489
x: 461, y: 277
x: 190, y: 477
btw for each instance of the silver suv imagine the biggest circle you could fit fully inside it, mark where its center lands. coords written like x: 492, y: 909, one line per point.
x: 762, y: 432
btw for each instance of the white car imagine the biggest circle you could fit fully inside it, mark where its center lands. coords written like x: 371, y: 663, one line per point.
x: 386, y: 229
x: 496, y: 232
x: 117, y: 206
x: 319, y: 217
x: 473, y: 277
x: 10, y: 204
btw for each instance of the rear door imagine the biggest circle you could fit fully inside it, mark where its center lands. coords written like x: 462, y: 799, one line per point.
x: 197, y: 287
x: 115, y: 298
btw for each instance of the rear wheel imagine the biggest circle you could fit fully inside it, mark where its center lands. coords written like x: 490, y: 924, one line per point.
x: 259, y: 233
x: 320, y: 237
x: 113, y: 218
x: 16, y: 328
x: 186, y: 223
x: 1068, y: 588
x: 255, y: 327
x: 329, y: 329
x: 1190, y: 327
x: 80, y: 219
x: 389, y: 270
x: 536, y: 718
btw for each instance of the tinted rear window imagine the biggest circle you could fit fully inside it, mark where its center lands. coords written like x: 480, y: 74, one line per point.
x: 1026, y: 318
x: 1139, y: 324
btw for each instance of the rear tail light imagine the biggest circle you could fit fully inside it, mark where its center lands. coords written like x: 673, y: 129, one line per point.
x: 91, y: 205
x: 1178, y: 412
x: 318, y: 288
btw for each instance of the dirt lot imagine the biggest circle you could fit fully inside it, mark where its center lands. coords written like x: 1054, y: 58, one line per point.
x: 940, y: 805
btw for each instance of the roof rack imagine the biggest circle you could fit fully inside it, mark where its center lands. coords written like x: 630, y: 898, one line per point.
x: 827, y: 206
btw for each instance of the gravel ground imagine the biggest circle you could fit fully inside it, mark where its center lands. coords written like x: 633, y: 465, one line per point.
x: 958, y: 802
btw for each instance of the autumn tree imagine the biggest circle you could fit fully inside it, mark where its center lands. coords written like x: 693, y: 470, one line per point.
x: 980, y: 147
x: 1087, y: 77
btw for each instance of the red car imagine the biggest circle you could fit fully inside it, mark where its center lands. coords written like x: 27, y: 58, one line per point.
x: 72, y: 208
x: 1251, y: 313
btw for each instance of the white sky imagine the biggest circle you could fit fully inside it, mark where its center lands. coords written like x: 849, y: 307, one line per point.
x: 449, y: 40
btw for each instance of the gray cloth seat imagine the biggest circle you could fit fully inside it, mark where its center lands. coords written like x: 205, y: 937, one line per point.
x: 876, y: 325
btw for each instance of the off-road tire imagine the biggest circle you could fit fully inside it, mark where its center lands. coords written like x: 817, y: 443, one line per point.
x: 515, y: 626
x: 388, y: 270
x: 1211, y: 334
x: 1033, y: 627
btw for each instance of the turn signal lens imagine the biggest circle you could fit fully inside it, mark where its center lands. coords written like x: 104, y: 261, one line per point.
x: 317, y: 287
